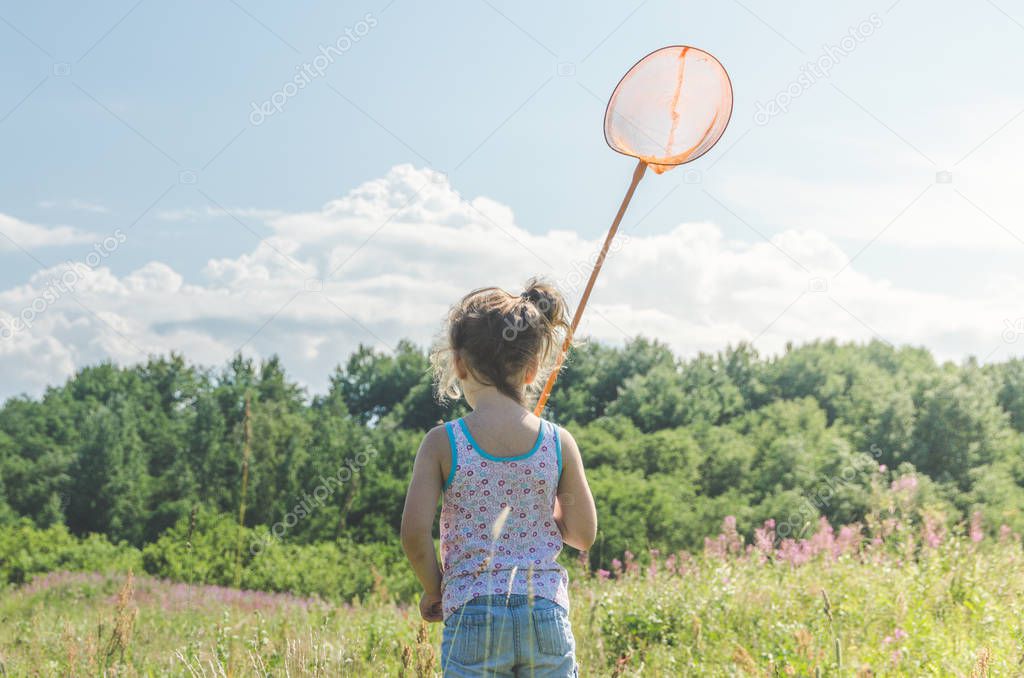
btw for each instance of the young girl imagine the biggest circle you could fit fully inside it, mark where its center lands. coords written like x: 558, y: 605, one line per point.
x: 513, y: 492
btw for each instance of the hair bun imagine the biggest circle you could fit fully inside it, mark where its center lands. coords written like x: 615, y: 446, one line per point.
x: 548, y: 301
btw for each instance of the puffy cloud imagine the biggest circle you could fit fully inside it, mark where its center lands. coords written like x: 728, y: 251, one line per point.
x: 385, y: 261
x: 21, y: 234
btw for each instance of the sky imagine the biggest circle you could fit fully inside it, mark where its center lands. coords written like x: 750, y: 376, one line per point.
x: 298, y: 179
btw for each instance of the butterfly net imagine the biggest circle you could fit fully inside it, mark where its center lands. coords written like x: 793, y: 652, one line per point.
x: 670, y: 108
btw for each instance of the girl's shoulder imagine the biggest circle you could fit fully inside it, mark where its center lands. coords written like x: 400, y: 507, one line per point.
x: 436, y: 435
x: 434, y: 445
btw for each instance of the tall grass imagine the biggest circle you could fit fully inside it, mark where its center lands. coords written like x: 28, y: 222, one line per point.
x: 901, y: 605
x: 900, y: 594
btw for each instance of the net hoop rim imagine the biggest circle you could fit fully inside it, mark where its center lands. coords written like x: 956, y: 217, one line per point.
x: 728, y: 117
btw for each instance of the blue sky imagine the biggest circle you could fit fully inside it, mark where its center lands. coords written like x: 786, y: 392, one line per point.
x: 830, y: 219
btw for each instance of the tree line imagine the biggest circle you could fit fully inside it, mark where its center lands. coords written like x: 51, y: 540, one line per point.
x: 671, y: 445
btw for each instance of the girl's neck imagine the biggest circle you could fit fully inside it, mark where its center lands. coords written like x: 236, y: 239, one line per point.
x: 489, y: 401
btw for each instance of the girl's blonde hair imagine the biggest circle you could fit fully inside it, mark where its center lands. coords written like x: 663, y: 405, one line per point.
x: 500, y: 336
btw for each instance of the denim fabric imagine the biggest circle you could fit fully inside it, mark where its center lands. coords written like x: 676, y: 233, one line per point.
x: 508, y: 636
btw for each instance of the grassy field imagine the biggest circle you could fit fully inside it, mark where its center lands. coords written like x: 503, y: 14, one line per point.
x: 834, y: 605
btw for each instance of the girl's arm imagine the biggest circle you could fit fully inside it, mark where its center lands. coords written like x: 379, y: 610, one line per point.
x: 575, y: 513
x: 418, y: 520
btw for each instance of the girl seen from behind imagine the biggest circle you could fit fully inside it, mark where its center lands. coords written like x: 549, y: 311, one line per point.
x: 513, y: 491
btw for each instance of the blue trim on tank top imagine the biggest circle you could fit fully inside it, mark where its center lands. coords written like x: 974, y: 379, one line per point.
x: 485, y: 455
x: 454, y: 452
x: 558, y: 449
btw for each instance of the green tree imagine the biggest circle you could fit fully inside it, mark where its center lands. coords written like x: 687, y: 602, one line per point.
x: 110, y: 485
x: 372, y: 383
x: 959, y: 426
x: 1009, y: 377
x: 594, y: 374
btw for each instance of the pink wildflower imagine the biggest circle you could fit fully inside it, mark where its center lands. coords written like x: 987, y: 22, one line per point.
x: 977, y: 534
x: 683, y: 559
x: 734, y: 542
x: 848, y: 540
x: 794, y: 552
x: 934, y: 532
x: 764, y: 540
x: 1004, y: 533
x: 907, y: 483
x: 631, y: 565
x: 728, y: 542
x: 713, y: 548
x: 822, y: 541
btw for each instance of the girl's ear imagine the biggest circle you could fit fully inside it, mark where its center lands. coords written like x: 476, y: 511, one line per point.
x: 530, y: 374
x: 460, y: 367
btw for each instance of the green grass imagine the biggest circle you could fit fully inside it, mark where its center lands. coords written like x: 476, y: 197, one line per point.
x: 895, y: 609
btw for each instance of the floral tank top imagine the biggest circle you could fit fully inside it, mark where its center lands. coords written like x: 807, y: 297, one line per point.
x: 498, y: 531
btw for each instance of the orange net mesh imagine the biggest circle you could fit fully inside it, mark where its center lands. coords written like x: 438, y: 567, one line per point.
x: 670, y: 108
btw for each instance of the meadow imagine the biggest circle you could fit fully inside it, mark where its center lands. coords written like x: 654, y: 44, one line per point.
x: 882, y: 599
x: 260, y: 523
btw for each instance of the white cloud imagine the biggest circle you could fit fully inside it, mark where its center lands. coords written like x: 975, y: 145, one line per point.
x: 973, y: 213
x: 385, y: 261
x: 869, y: 181
x: 74, y: 204
x: 21, y: 234
x: 192, y: 214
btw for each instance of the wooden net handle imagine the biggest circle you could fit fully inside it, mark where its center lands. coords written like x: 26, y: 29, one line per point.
x: 638, y: 174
